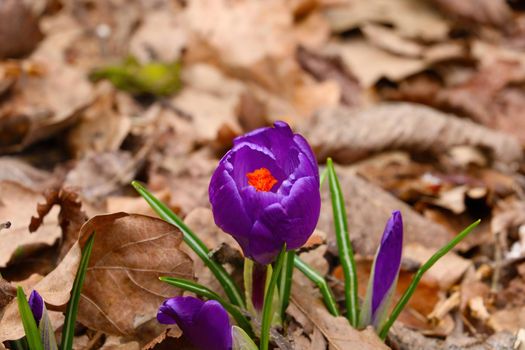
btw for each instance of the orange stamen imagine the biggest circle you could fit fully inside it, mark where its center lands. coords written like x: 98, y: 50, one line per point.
x: 262, y: 179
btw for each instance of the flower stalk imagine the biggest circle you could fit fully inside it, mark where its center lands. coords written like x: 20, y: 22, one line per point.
x: 268, y: 301
x: 285, y: 283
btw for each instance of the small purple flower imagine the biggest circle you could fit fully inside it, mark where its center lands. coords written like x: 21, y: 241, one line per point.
x: 265, y: 192
x: 205, y: 324
x: 36, y: 303
x: 385, y: 271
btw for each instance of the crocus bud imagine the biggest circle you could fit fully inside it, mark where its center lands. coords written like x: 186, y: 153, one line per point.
x: 36, y: 303
x: 385, y: 271
x: 265, y: 192
x: 205, y: 324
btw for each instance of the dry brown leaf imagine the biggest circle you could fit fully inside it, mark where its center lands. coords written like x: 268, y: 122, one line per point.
x: 161, y: 36
x: 18, y: 205
x: 368, y: 208
x: 17, y: 21
x: 337, y: 331
x: 390, y: 40
x: 330, y: 68
x: 508, y: 320
x: 492, y: 12
x: 411, y: 18
x: 370, y: 63
x: 489, y: 98
x: 446, y: 272
x: 122, y: 292
x: 55, y: 289
x: 102, y: 127
x: 71, y: 217
x: 16, y: 170
x: 348, y: 135
x: 42, y: 102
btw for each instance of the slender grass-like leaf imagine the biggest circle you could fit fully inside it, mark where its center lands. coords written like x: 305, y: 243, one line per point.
x: 28, y: 320
x: 241, y: 340
x: 417, y: 277
x: 19, y: 344
x: 321, y: 283
x: 344, y: 246
x: 68, y: 331
x: 47, y: 333
x: 232, y: 291
x: 285, y: 282
x: 268, y: 302
x: 203, y: 291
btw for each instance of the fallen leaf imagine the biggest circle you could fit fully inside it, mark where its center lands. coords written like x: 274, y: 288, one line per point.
x: 368, y: 208
x: 349, y: 135
x: 507, y: 320
x: 411, y: 18
x: 337, y: 331
x: 16, y: 170
x: 329, y: 68
x: 446, y: 272
x: 17, y: 21
x: 71, y: 217
x: 122, y: 292
x: 492, y: 12
x: 18, y: 205
x: 55, y: 289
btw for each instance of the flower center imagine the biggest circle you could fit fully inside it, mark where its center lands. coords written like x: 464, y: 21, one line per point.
x: 262, y: 179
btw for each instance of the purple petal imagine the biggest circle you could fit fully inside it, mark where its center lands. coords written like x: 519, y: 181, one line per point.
x: 205, y: 324
x: 212, y: 328
x: 228, y: 208
x: 180, y: 311
x: 387, y: 263
x: 264, y: 246
x: 36, y: 303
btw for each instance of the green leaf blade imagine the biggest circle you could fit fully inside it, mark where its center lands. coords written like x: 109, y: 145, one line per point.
x: 28, y: 321
x: 68, y: 331
x: 230, y: 288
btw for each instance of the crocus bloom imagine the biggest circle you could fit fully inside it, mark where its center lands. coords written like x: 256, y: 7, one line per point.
x: 205, y: 324
x: 36, y: 303
x: 265, y: 192
x: 385, y: 271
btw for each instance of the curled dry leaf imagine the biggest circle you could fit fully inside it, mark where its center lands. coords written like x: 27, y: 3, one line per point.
x: 337, y: 331
x: 413, y: 19
x: 18, y: 205
x: 348, y: 135
x: 122, y: 292
x: 70, y: 218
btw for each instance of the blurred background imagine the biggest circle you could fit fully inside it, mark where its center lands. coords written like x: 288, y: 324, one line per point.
x: 420, y: 103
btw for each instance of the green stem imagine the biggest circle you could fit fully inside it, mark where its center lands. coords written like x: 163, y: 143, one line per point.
x: 68, y: 331
x: 285, y: 283
x: 346, y: 254
x: 232, y: 291
x: 28, y: 321
x: 209, y: 294
x: 321, y: 283
x: 417, y: 277
x: 268, y: 301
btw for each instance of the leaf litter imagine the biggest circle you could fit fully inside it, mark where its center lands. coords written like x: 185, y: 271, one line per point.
x: 418, y: 101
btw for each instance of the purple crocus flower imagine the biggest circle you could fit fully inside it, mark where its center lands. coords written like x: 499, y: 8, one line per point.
x: 265, y: 192
x: 36, y: 303
x: 385, y: 271
x: 205, y: 324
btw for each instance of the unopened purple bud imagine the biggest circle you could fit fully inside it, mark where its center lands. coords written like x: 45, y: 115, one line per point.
x: 36, y: 303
